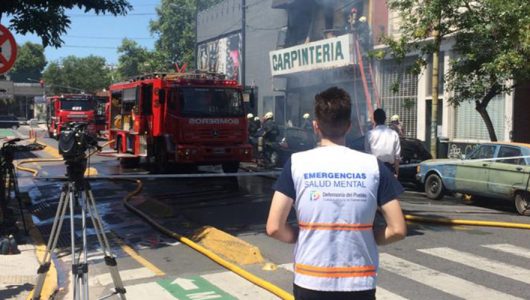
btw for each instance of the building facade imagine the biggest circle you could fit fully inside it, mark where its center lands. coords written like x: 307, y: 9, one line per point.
x: 289, y: 50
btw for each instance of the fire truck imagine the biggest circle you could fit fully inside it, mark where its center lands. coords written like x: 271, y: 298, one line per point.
x: 186, y: 118
x: 69, y: 108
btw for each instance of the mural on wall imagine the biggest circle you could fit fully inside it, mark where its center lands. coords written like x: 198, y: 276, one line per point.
x: 221, y: 56
x: 456, y: 150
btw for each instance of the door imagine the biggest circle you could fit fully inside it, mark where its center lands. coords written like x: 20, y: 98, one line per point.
x: 507, y: 171
x: 471, y: 174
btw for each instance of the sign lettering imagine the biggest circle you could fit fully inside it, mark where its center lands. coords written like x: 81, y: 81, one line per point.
x: 328, y: 53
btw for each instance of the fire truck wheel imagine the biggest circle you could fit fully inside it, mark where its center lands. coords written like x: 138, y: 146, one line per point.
x: 231, y: 167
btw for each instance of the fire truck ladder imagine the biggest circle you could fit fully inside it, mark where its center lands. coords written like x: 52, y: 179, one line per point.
x: 367, y: 77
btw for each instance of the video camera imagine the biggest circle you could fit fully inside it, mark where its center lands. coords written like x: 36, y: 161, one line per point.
x: 74, y: 141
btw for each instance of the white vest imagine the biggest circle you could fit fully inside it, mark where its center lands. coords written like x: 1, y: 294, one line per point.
x: 336, y: 200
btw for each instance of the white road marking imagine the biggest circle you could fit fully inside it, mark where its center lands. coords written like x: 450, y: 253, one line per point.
x: 380, y: 293
x: 511, y: 249
x: 441, y: 281
x: 186, y: 284
x: 237, y: 286
x: 481, y: 263
x: 131, y: 274
x: 151, y: 290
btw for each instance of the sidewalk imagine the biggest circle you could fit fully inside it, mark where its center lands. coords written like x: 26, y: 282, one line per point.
x: 18, y: 272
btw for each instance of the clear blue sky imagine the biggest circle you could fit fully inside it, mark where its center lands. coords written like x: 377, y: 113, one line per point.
x: 90, y: 34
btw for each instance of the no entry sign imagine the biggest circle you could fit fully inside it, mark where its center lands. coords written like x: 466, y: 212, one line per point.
x: 8, y: 50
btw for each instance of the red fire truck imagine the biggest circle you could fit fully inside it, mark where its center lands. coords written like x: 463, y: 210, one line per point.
x: 186, y: 118
x: 69, y: 108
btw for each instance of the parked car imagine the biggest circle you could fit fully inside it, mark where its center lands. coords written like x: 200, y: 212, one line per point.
x: 412, y: 152
x: 494, y: 170
x: 8, y: 121
x: 290, y: 140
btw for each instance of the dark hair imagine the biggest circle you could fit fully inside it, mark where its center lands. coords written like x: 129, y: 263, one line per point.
x: 379, y: 116
x: 332, y: 112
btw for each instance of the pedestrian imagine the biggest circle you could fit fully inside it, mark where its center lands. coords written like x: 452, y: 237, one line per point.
x: 335, y: 192
x: 308, y: 124
x: 383, y: 142
x: 396, y: 125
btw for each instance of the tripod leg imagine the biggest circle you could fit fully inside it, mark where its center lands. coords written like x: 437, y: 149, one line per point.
x: 110, y: 260
x: 84, y: 276
x: 14, y: 182
x: 52, y: 243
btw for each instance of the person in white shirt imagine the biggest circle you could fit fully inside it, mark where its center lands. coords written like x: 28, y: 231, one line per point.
x: 383, y: 142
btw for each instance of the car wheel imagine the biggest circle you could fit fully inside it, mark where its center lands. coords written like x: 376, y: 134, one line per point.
x: 521, y: 204
x: 434, y: 187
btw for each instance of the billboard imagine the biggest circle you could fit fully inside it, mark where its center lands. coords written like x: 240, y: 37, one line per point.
x: 222, y: 55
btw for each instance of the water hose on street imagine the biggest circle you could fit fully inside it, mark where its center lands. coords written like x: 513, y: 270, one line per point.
x: 452, y: 222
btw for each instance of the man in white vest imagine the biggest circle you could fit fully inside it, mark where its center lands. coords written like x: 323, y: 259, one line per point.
x: 336, y: 192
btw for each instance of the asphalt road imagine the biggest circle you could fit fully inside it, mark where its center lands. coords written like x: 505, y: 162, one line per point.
x: 433, y: 262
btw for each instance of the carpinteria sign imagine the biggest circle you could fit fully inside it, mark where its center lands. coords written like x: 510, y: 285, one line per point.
x: 323, y: 54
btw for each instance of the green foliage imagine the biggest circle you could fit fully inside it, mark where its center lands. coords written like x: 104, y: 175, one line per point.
x: 491, y: 44
x: 48, y: 19
x: 74, y: 74
x: 175, y: 28
x: 29, y: 64
x: 136, y: 60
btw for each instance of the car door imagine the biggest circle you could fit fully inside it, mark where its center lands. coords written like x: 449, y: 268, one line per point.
x: 506, y: 171
x: 471, y: 174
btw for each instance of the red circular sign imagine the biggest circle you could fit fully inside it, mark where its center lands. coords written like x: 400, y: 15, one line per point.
x: 8, y: 50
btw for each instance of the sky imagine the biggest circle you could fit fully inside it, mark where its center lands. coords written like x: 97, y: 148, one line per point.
x: 90, y: 34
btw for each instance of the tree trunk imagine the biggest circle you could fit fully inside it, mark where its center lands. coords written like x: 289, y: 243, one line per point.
x: 481, y: 105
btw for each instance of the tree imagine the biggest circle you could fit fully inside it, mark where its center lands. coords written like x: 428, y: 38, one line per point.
x: 29, y: 64
x: 48, y: 20
x: 135, y: 60
x: 175, y: 28
x: 74, y: 75
x: 492, y: 45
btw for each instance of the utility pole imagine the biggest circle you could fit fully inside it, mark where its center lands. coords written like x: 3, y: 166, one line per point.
x: 243, y: 41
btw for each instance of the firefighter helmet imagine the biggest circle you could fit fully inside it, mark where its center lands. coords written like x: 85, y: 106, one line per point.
x: 394, y: 118
x: 306, y: 116
x: 268, y: 115
x: 250, y: 116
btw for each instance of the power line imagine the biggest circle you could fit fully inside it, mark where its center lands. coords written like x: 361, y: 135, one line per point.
x: 89, y: 47
x: 109, y: 15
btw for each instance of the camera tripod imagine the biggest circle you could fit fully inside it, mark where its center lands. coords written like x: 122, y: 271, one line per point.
x: 9, y: 181
x: 77, y: 190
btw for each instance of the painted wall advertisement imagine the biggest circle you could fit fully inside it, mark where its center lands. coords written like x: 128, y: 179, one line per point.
x: 222, y: 56
x: 323, y: 54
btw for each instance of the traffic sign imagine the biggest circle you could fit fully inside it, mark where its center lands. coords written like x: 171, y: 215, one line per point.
x: 8, y: 50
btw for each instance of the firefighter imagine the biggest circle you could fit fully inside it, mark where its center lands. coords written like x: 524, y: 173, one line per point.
x: 308, y: 124
x: 268, y: 134
x: 396, y: 125
x: 252, y: 125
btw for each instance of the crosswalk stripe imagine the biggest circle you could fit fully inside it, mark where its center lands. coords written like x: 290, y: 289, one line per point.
x: 441, y: 281
x: 511, y: 249
x: 151, y: 290
x: 237, y: 286
x: 131, y: 274
x: 380, y: 293
x: 481, y: 263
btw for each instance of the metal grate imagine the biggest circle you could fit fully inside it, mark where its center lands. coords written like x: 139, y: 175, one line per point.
x: 470, y: 126
x: 404, y: 102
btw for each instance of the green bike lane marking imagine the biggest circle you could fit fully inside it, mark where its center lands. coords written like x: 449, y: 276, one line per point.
x: 6, y: 132
x: 194, y: 288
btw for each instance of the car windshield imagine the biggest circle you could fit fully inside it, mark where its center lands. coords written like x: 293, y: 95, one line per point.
x: 76, y: 105
x: 211, y: 102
